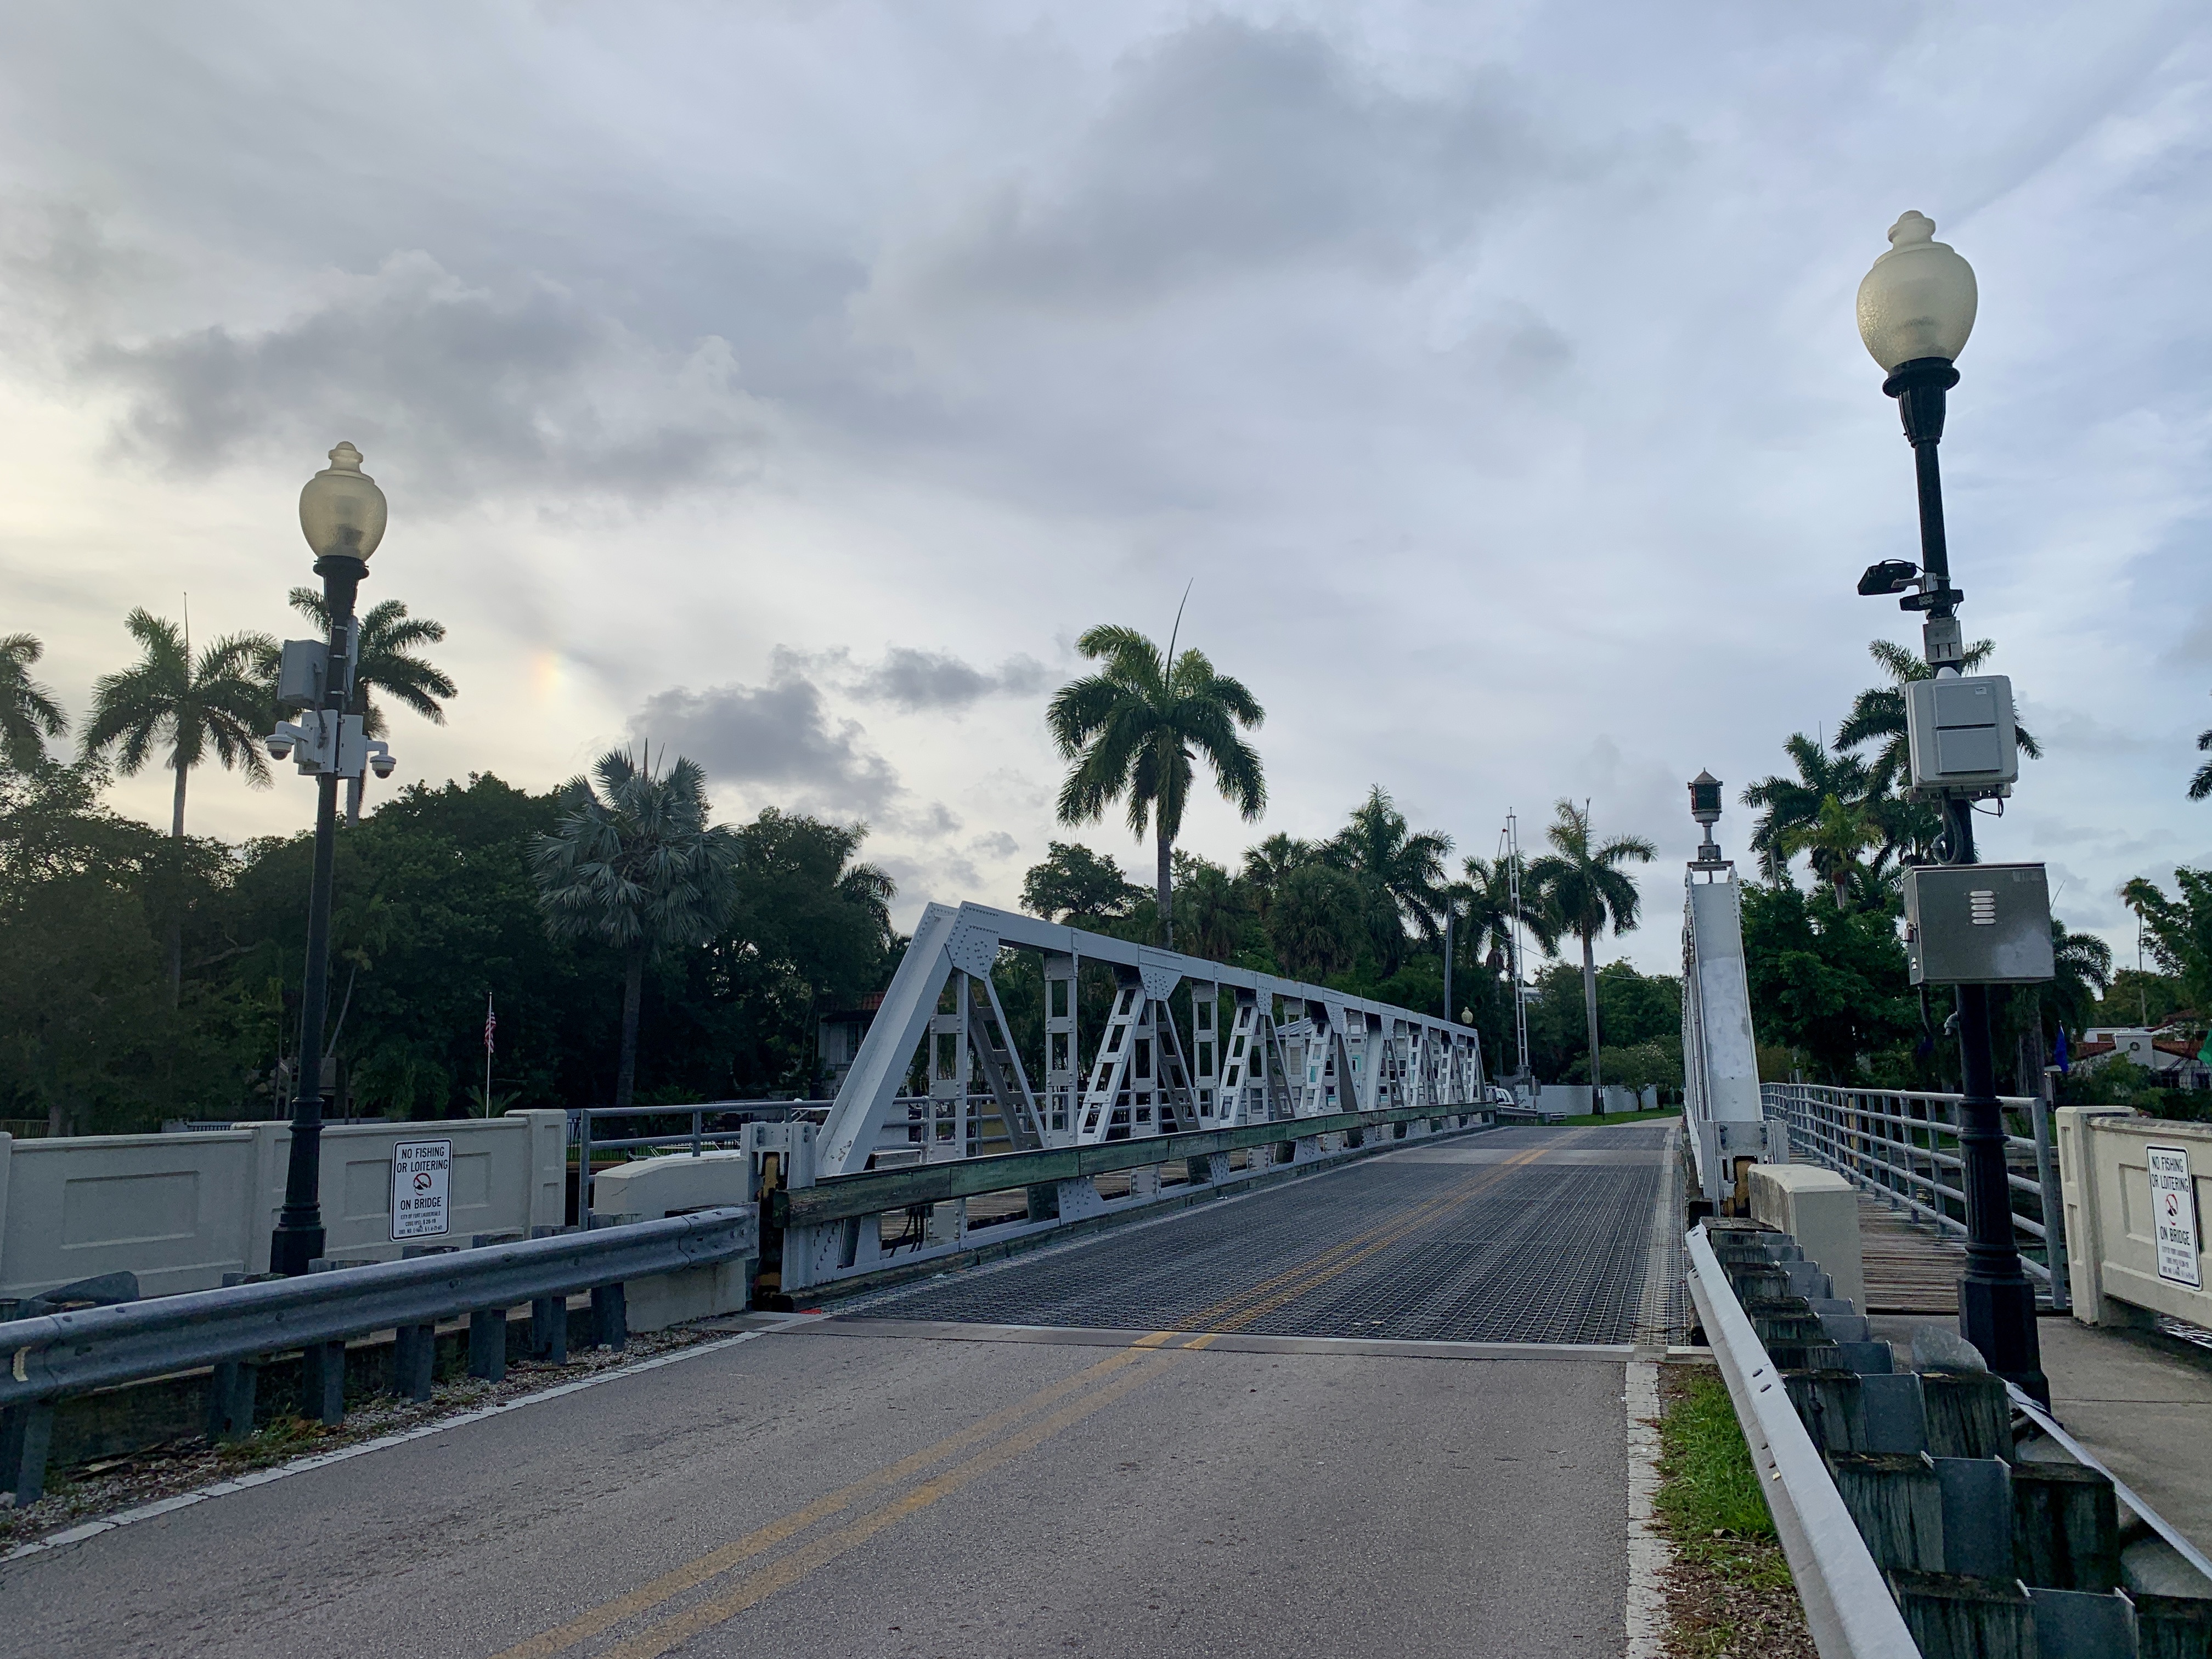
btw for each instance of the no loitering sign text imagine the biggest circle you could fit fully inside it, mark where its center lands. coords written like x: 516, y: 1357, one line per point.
x: 2174, y: 1214
x: 421, y: 1173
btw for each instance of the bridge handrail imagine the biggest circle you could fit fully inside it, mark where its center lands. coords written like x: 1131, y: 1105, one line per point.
x: 874, y: 1192
x: 1848, y: 1609
x: 55, y: 1355
x: 1868, y: 1136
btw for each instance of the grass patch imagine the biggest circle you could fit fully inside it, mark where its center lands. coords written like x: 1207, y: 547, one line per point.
x: 277, y: 1442
x: 1710, y: 1497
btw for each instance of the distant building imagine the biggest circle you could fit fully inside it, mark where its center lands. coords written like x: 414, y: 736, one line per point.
x: 838, y: 1039
x: 2167, y: 1053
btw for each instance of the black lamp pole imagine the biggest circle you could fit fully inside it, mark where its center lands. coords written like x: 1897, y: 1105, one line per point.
x: 1996, y: 1303
x: 341, y: 513
x: 299, y: 1237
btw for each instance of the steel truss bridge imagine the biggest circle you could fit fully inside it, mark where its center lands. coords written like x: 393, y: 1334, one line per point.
x: 1137, y: 1304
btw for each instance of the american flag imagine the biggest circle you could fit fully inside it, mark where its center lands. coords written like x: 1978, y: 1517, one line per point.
x: 491, y: 1022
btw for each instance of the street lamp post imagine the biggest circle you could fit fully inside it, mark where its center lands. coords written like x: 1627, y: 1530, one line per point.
x: 342, y: 514
x: 1915, y: 309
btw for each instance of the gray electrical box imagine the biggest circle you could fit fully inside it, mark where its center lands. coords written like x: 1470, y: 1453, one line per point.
x: 300, y: 674
x: 1978, y: 924
x: 1959, y: 735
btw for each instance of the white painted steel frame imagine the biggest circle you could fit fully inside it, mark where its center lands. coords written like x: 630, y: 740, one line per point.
x: 1335, y: 1036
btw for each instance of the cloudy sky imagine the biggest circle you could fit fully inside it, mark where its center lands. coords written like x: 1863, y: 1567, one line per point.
x: 792, y: 383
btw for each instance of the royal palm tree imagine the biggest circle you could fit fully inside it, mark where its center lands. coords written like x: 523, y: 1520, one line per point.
x: 634, y: 864
x: 1400, y: 870
x: 1583, y: 888
x: 29, y: 713
x: 216, y: 703
x: 1792, y: 804
x: 1877, y: 714
x: 389, y: 640
x: 1133, y: 730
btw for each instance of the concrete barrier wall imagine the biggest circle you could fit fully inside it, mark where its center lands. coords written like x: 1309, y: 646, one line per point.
x: 182, y: 1211
x: 1820, y: 1210
x: 2113, y: 1255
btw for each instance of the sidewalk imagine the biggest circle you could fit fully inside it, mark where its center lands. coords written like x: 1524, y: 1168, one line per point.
x: 2141, y: 1402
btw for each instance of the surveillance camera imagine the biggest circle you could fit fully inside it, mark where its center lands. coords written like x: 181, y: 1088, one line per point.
x: 280, y: 745
x: 383, y: 765
x: 1890, y: 576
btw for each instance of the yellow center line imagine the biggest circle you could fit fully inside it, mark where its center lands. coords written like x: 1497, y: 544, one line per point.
x: 672, y: 1632
x: 1254, y: 1302
x: 717, y: 1562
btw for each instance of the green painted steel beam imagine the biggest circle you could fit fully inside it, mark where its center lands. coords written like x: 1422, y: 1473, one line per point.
x: 873, y: 1192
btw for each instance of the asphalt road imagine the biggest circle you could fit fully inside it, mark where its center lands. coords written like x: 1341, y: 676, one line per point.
x: 896, y: 1483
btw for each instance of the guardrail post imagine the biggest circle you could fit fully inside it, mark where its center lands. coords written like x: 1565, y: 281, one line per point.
x: 488, y: 1344
x: 230, y: 1399
x: 26, y: 1432
x: 610, y: 1317
x: 548, y: 1330
x: 414, y: 1361
x: 322, y: 1382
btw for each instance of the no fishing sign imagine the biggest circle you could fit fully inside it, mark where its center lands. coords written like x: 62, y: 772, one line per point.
x: 420, y: 1178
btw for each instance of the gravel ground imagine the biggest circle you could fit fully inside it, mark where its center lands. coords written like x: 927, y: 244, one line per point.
x: 93, y: 1491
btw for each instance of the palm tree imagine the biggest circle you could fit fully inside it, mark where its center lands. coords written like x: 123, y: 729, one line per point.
x: 1833, y: 839
x: 1583, y: 888
x: 1878, y: 714
x: 217, y: 703
x: 1792, y: 804
x: 2081, y: 971
x: 1483, y: 904
x: 1402, y: 871
x: 1132, y: 729
x: 2199, y: 786
x: 29, y: 713
x: 1268, y: 863
x: 389, y: 637
x: 634, y: 864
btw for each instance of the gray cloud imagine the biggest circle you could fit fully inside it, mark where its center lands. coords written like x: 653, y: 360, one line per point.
x: 1227, y: 147
x: 780, y: 735
x: 473, y: 389
x: 914, y: 680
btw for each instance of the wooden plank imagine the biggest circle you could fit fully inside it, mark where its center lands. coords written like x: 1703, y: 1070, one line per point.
x: 1911, y: 1267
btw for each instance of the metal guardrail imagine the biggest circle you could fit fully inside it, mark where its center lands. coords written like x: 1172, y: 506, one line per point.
x: 727, y: 1129
x: 1848, y: 1609
x: 56, y: 1355
x: 1902, y: 1145
x: 876, y: 1192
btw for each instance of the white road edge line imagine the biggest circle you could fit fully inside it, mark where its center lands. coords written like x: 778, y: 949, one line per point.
x: 320, y: 1460
x: 1648, y: 1553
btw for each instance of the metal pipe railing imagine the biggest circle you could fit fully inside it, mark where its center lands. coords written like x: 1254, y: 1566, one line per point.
x: 1901, y: 1143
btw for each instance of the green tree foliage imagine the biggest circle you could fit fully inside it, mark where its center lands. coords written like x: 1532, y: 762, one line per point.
x: 632, y: 863
x: 2200, y: 785
x: 1318, y: 923
x: 1640, y: 1015
x: 29, y: 713
x: 1790, y: 806
x: 1400, y: 872
x: 2136, y: 997
x: 1826, y: 981
x: 1130, y: 732
x: 1583, y: 888
x: 2178, y: 929
x: 389, y: 663
x: 1078, y: 887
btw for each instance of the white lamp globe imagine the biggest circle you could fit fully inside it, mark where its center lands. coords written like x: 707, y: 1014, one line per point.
x: 1919, y: 299
x: 340, y: 509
